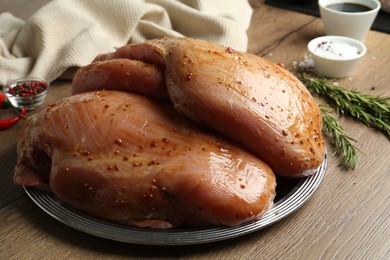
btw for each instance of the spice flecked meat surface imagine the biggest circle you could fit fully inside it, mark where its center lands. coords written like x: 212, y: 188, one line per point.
x: 253, y: 101
x: 134, y: 160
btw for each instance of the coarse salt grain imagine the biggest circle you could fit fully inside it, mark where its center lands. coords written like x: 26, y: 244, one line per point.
x: 336, y: 50
x: 305, y: 65
x: 307, y: 62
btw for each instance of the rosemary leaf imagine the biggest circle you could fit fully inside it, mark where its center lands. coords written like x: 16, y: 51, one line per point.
x: 344, y: 146
x: 374, y: 111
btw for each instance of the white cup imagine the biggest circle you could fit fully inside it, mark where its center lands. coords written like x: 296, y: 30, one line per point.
x: 350, y: 24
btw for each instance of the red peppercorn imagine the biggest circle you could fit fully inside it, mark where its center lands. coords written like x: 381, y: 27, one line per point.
x: 27, y: 88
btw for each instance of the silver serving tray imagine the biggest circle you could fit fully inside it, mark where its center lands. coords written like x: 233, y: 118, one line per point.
x: 291, y: 195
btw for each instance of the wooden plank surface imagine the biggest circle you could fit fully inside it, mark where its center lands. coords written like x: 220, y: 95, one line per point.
x: 347, y: 218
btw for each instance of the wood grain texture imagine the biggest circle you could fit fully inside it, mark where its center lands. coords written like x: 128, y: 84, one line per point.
x: 347, y: 217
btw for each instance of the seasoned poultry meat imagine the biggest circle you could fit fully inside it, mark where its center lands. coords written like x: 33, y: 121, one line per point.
x: 135, y: 160
x: 240, y: 95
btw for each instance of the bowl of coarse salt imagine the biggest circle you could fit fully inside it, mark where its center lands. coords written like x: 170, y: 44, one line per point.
x: 336, y: 56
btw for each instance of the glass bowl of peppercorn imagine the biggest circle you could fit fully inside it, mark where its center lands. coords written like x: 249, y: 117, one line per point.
x: 26, y: 92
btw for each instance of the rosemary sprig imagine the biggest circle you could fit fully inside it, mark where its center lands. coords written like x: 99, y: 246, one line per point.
x: 374, y: 111
x: 342, y: 142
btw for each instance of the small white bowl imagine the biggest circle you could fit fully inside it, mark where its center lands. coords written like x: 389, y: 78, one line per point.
x: 336, y: 56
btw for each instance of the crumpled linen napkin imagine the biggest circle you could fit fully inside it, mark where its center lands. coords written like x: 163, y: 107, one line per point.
x: 68, y: 34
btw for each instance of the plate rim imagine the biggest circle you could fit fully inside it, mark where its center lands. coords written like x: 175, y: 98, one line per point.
x: 78, y: 220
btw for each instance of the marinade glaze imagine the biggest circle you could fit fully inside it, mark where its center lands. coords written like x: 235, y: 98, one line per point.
x: 243, y: 96
x: 134, y: 160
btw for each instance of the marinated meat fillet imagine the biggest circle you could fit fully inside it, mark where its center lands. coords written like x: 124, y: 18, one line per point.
x: 122, y: 74
x: 243, y: 96
x: 132, y: 159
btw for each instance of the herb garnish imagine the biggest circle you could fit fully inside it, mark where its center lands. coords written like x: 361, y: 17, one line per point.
x: 374, y: 111
x: 344, y: 146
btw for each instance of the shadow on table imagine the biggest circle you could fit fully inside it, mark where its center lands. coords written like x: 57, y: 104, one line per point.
x: 72, y: 241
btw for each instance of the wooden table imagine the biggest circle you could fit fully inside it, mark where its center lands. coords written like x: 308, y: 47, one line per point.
x: 346, y: 218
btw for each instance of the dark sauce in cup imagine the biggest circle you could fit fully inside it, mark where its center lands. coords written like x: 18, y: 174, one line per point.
x: 349, y: 7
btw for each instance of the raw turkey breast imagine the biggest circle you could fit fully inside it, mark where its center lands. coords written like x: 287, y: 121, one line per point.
x: 243, y: 96
x: 135, y: 160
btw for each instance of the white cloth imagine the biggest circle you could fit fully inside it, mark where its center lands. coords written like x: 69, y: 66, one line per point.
x: 67, y: 34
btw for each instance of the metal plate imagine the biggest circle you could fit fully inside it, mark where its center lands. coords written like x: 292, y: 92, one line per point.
x: 291, y: 195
